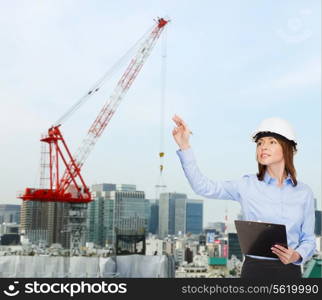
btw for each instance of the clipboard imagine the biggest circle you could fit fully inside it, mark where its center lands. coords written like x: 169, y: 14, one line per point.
x: 257, y: 238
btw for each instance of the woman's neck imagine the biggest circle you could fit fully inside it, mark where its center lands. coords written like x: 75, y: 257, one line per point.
x: 277, y: 171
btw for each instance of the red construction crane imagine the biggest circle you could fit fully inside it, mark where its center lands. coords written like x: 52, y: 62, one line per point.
x: 71, y: 187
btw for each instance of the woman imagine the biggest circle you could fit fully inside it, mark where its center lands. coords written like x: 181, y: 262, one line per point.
x: 273, y: 195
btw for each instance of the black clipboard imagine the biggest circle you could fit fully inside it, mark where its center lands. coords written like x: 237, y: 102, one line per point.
x: 257, y: 238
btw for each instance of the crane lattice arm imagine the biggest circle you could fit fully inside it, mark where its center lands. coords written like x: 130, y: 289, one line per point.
x: 112, y: 104
x: 60, y: 188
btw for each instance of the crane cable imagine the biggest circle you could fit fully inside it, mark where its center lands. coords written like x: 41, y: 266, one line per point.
x: 161, y: 185
x: 98, y: 84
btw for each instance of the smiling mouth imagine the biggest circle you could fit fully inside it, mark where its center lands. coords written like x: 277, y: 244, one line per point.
x: 264, y: 155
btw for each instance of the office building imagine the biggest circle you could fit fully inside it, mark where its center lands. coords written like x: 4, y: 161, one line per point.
x: 194, y: 216
x: 119, y: 207
x: 172, y: 214
x: 154, y: 217
x: 318, y: 222
x: 234, y: 247
x: 9, y: 213
x: 45, y: 222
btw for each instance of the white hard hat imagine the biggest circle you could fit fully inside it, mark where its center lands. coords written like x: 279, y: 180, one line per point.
x: 276, y: 126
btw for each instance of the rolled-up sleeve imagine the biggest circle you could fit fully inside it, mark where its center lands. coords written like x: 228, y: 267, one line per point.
x: 202, y: 185
x: 307, y: 244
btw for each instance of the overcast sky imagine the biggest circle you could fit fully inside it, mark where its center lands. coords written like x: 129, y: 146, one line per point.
x: 229, y: 64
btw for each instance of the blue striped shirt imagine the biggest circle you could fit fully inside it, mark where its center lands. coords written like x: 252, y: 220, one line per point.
x: 262, y: 201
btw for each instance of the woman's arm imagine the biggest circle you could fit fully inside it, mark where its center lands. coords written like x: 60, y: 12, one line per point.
x: 199, y: 183
x: 203, y: 186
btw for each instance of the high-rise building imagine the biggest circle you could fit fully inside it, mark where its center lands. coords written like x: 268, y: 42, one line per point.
x: 154, y: 217
x: 33, y: 220
x: 45, y: 221
x: 172, y: 214
x: 194, y: 216
x: 100, y: 215
x: 114, y: 207
x: 234, y: 247
x: 130, y: 210
x: 9, y: 213
x: 318, y: 222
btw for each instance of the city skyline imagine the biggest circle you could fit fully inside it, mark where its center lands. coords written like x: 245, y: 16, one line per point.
x: 238, y: 70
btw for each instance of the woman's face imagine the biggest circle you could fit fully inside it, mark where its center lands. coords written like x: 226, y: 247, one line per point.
x: 269, y: 151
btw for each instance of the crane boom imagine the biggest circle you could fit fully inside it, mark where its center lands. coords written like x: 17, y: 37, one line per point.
x: 113, y: 102
x: 71, y: 187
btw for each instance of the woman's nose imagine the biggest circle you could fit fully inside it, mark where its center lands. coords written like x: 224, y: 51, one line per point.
x: 263, y: 146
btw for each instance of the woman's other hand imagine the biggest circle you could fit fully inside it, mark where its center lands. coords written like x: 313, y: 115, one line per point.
x: 286, y: 255
x: 181, y: 133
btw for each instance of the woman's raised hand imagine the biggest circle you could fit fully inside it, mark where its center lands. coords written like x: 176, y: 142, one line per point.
x: 181, y: 133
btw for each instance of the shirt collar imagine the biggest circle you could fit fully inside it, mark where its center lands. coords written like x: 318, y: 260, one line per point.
x: 268, y: 179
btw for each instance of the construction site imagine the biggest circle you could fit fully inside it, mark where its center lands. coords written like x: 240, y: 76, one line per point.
x: 66, y: 226
x: 56, y: 211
